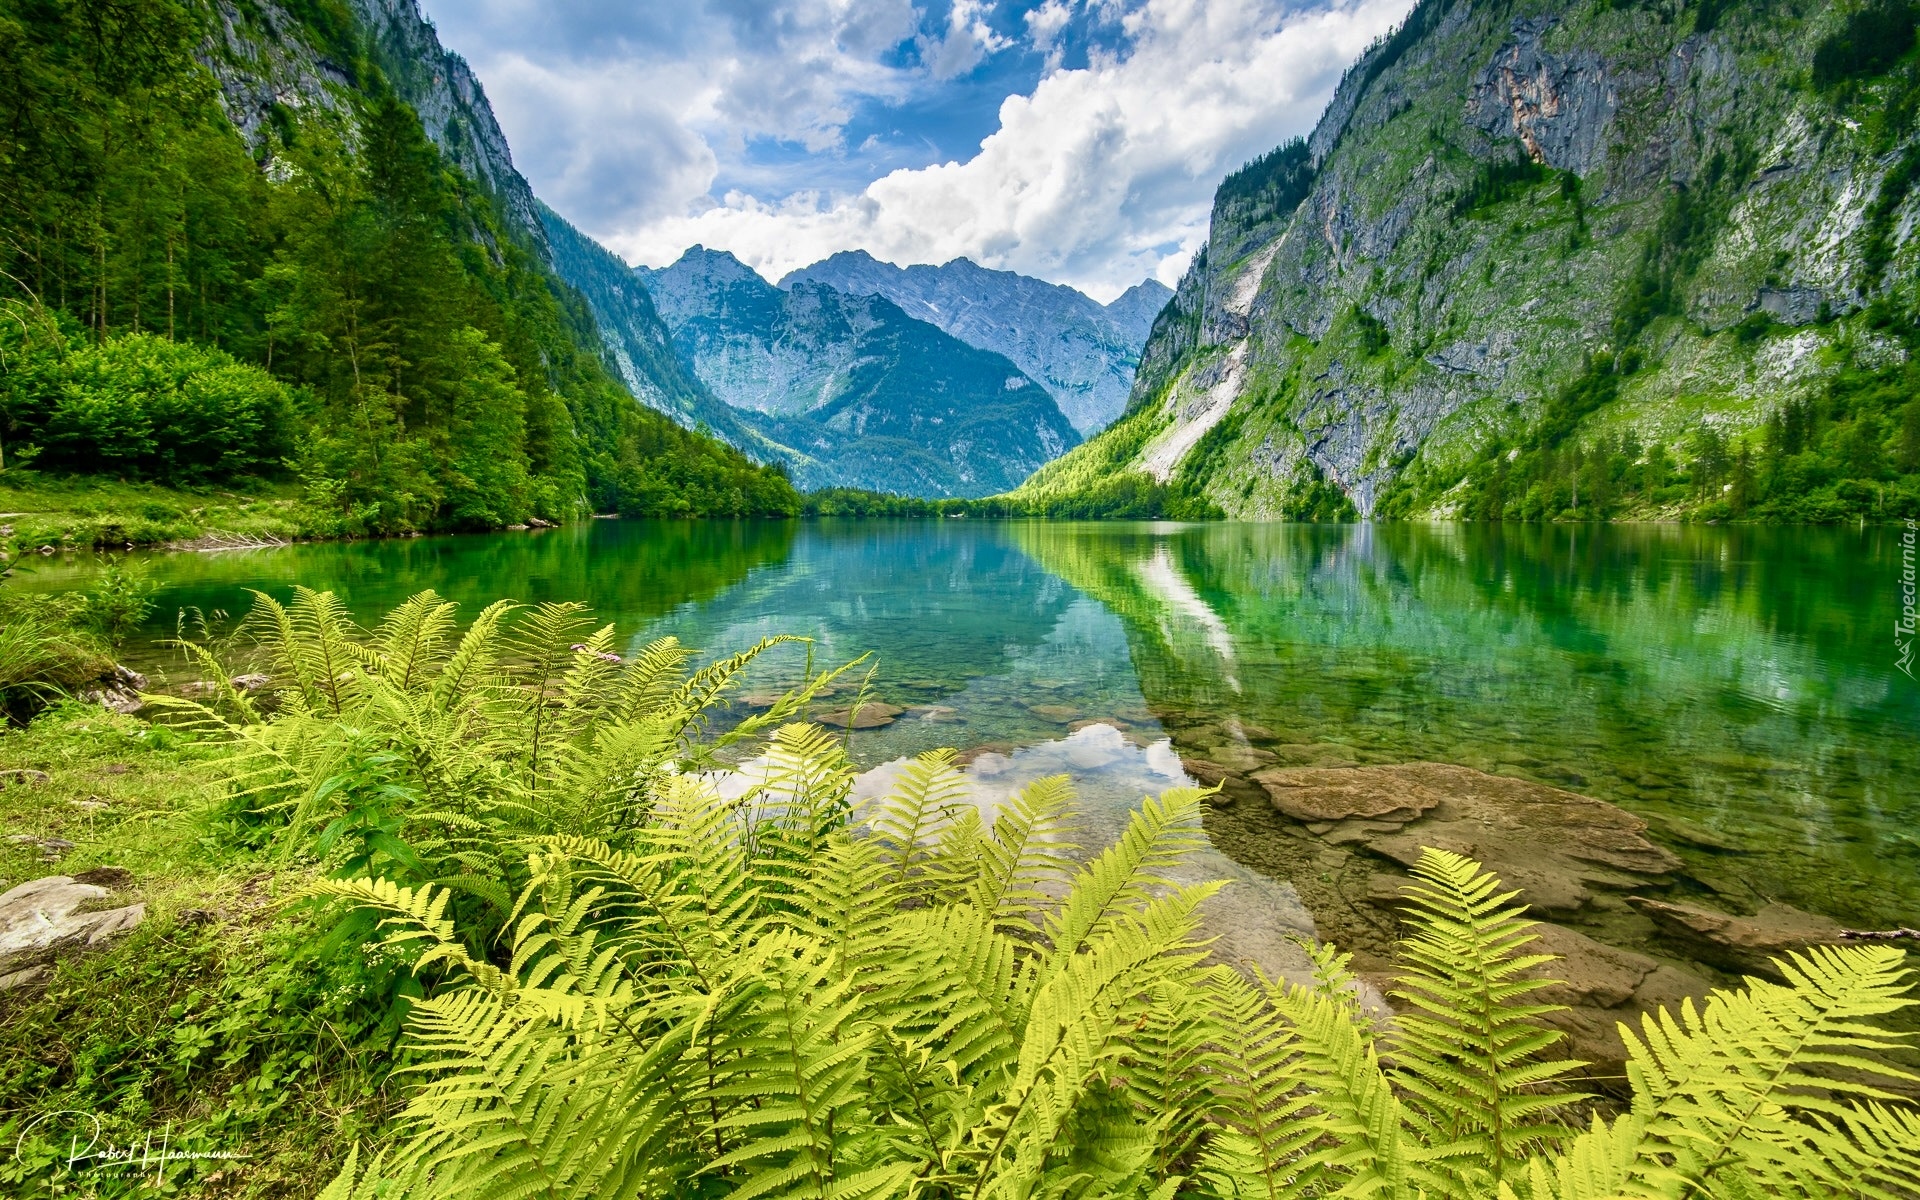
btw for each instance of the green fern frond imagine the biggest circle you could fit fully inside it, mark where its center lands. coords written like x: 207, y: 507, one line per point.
x: 1781, y: 1084
x: 1261, y: 1129
x: 1028, y: 853
x: 1160, y: 834
x: 468, y: 673
x: 1467, y: 1051
x: 409, y: 646
x: 908, y: 822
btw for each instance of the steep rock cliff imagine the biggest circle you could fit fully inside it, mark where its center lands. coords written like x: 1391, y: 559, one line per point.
x: 1505, y: 199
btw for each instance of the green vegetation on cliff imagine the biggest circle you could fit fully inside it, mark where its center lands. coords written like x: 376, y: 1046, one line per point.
x: 322, y: 297
x: 1579, y: 260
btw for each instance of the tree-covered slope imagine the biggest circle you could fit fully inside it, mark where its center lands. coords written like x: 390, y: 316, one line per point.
x: 230, y: 248
x: 1083, y: 352
x: 1552, y: 260
x: 855, y: 392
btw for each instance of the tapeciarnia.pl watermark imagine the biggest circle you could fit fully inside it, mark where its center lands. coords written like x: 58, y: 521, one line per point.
x: 1904, y: 638
x: 87, y: 1148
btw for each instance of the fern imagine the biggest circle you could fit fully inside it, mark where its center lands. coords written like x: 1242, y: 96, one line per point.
x: 636, y: 987
x: 1467, y: 1050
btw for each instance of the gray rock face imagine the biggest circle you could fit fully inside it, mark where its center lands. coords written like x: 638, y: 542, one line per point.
x: 1790, y: 305
x: 46, y: 919
x: 1383, y: 301
x: 850, y: 390
x: 1560, y: 107
x: 453, y: 107
x: 260, y: 59
x: 1083, y: 352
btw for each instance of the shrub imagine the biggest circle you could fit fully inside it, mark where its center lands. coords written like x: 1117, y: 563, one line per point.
x: 145, y: 407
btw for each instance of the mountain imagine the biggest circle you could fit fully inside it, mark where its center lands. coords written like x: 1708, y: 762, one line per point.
x: 1081, y: 351
x: 637, y: 339
x: 1557, y: 260
x: 856, y: 392
x: 303, y: 217
x: 452, y: 106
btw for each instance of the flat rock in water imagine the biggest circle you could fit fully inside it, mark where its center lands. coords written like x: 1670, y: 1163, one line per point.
x: 1744, y: 944
x: 1204, y: 772
x: 1604, y: 986
x: 1059, y: 714
x: 45, y: 918
x: 1335, y: 794
x: 1554, y: 845
x: 871, y: 715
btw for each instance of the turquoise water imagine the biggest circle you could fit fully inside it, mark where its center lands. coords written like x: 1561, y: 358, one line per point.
x: 1737, y: 680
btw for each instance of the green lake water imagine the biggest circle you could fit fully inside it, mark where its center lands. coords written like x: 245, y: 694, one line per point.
x: 1736, y: 683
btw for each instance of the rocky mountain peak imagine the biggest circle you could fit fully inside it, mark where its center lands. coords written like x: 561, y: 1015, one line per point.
x: 1081, y: 351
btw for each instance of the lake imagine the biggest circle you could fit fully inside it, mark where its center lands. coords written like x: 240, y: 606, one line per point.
x: 1736, y: 687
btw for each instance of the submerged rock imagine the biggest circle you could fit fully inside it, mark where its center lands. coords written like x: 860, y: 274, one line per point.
x: 1744, y: 944
x: 47, y: 918
x: 1553, y: 845
x: 871, y: 715
x: 1059, y: 714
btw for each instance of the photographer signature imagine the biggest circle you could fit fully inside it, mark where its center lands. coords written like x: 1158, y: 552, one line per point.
x: 87, y: 1148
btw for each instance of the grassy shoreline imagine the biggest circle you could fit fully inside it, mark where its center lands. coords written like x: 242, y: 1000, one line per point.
x: 91, y: 513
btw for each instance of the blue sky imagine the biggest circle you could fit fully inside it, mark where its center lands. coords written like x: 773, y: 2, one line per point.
x: 1076, y: 140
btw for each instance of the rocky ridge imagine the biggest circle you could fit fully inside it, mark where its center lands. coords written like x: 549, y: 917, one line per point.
x: 1463, y: 231
x: 851, y: 391
x: 1083, y: 352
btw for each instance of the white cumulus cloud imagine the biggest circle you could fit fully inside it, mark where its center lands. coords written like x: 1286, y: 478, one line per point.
x: 1099, y: 176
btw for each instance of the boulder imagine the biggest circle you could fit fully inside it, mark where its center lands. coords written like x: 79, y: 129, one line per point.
x: 47, y: 918
x: 1744, y: 944
x: 118, y: 689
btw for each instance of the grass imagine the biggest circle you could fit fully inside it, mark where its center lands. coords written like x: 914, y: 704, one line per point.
x: 93, y: 512
x: 218, y: 1023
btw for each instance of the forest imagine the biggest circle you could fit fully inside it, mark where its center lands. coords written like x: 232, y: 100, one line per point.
x: 338, y: 311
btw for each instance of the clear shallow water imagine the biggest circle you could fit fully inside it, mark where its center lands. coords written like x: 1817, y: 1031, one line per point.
x: 1737, y: 681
